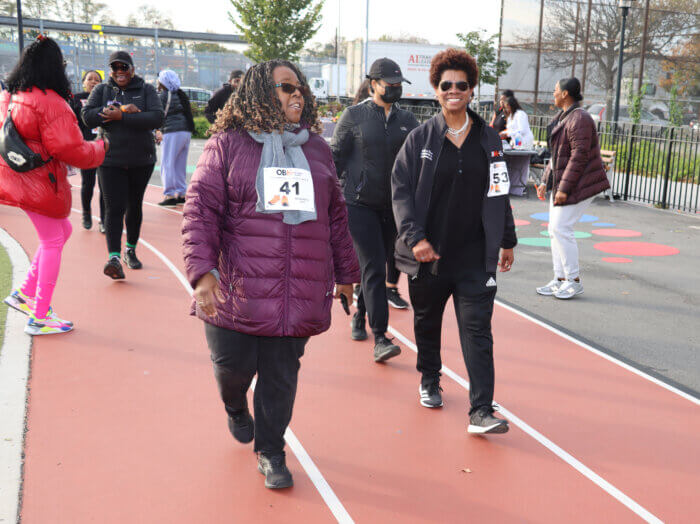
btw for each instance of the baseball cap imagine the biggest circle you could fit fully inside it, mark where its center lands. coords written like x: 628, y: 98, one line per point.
x: 121, y: 56
x: 386, y: 69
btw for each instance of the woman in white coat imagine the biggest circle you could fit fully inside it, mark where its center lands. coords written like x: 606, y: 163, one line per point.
x: 518, y: 132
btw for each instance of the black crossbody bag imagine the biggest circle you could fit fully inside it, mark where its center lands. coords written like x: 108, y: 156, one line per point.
x: 14, y: 151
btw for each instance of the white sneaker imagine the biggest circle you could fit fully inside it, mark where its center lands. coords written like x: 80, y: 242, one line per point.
x: 551, y: 288
x: 569, y: 289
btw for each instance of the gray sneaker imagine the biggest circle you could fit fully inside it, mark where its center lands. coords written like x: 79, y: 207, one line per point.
x: 569, y: 289
x: 549, y: 289
x: 482, y: 421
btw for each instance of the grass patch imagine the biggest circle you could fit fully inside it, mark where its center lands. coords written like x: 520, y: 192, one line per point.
x: 5, y: 287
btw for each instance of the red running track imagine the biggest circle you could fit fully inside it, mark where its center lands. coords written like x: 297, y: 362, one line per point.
x: 125, y: 424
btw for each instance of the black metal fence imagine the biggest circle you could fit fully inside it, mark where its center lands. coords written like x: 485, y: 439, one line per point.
x: 657, y: 165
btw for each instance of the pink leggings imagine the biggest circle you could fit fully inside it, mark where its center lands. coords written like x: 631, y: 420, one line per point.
x: 43, y: 273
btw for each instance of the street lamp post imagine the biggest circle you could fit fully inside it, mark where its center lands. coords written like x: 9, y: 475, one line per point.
x: 20, y: 28
x: 625, y: 6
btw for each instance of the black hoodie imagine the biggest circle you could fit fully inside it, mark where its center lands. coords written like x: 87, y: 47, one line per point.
x: 131, y: 141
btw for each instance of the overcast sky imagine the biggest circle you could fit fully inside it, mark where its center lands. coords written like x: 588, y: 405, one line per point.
x: 436, y: 21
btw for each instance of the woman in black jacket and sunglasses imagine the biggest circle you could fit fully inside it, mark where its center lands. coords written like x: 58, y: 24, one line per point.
x: 127, y: 110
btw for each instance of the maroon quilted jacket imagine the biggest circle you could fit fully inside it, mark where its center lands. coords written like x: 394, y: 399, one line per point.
x: 578, y: 168
x: 277, y: 278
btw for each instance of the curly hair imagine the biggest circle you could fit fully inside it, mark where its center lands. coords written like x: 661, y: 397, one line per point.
x: 41, y: 65
x: 255, y: 105
x: 453, y: 59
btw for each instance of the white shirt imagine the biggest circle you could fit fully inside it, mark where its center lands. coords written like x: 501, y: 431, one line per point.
x: 517, y: 127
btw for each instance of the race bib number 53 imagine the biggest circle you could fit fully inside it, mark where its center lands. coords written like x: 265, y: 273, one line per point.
x: 288, y: 189
x: 499, y: 183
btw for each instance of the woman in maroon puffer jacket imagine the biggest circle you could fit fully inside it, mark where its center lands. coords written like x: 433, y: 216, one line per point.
x: 39, y: 92
x: 266, y: 239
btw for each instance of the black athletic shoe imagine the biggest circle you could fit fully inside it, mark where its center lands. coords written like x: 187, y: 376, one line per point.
x: 384, y: 349
x: 356, y: 291
x: 87, y: 221
x: 277, y: 475
x: 358, y: 327
x: 102, y: 227
x: 394, y: 298
x: 242, y: 426
x: 430, y: 393
x: 180, y: 200
x: 482, y: 421
x: 113, y: 269
x: 130, y: 259
x: 168, y: 202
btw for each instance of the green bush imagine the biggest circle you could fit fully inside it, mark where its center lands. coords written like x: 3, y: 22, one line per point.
x: 201, y: 125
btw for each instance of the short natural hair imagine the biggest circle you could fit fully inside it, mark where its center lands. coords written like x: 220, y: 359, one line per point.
x: 255, y: 107
x: 453, y: 59
x: 236, y: 73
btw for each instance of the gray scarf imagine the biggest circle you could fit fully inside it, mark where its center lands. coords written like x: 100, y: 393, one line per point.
x: 281, y: 150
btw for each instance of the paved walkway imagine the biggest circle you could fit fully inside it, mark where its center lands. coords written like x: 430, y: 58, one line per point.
x: 124, y: 422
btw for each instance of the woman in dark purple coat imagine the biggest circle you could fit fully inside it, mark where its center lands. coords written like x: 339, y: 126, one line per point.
x: 266, y: 241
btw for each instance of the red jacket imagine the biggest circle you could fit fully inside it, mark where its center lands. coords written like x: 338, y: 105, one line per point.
x: 48, y: 126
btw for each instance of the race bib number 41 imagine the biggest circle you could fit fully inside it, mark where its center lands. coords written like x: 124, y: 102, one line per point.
x: 288, y: 189
x: 499, y: 183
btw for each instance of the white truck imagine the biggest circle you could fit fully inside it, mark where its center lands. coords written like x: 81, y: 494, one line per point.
x: 331, y: 83
x: 413, y: 59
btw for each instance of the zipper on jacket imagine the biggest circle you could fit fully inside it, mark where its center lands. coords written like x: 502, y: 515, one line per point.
x: 288, y: 263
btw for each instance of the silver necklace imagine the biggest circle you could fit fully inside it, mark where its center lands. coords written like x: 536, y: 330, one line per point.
x: 457, y: 132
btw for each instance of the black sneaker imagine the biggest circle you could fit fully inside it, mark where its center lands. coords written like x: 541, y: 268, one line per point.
x: 482, y: 421
x: 356, y: 291
x: 394, y: 298
x: 384, y: 349
x: 168, y: 202
x: 87, y: 221
x: 277, y: 475
x: 358, y: 327
x: 180, y: 200
x: 102, y: 227
x: 130, y: 259
x: 429, y: 391
x: 242, y: 426
x: 113, y: 269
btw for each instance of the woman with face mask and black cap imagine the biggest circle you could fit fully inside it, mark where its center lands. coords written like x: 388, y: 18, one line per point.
x: 365, y: 143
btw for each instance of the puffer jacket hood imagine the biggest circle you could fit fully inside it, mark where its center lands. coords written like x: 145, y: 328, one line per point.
x: 277, y: 279
x: 49, y: 127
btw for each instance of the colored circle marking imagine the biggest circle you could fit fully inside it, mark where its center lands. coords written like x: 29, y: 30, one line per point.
x: 519, y: 222
x: 639, y: 249
x: 617, y: 260
x: 535, y: 241
x: 577, y: 234
x: 618, y: 233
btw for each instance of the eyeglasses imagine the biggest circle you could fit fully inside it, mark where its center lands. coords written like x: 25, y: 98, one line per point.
x: 446, y: 85
x: 118, y: 66
x: 290, y: 88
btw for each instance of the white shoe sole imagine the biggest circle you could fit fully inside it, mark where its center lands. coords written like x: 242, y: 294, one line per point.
x: 567, y: 297
x: 395, y: 306
x: 545, y: 293
x: 501, y: 427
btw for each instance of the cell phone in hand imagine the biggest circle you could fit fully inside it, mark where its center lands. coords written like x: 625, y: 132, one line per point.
x: 114, y: 103
x: 344, y: 302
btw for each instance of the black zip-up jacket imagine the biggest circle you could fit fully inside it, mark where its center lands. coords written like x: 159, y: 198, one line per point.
x: 217, y: 101
x: 131, y: 141
x: 177, y: 118
x: 364, y: 145
x: 412, y: 184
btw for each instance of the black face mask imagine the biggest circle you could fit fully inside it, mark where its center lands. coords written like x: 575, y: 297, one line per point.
x: 392, y: 94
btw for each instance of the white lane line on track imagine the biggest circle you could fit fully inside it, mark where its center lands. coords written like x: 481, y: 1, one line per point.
x: 607, y: 357
x: 14, y: 375
x: 539, y: 437
x: 317, y: 478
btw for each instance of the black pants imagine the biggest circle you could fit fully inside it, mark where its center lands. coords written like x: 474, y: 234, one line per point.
x: 473, y: 302
x: 123, y: 189
x: 87, y: 189
x: 373, y: 234
x: 237, y: 357
x: 392, y: 274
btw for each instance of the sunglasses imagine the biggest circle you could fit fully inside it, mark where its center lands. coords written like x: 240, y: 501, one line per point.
x: 290, y: 88
x: 118, y: 66
x: 446, y: 86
